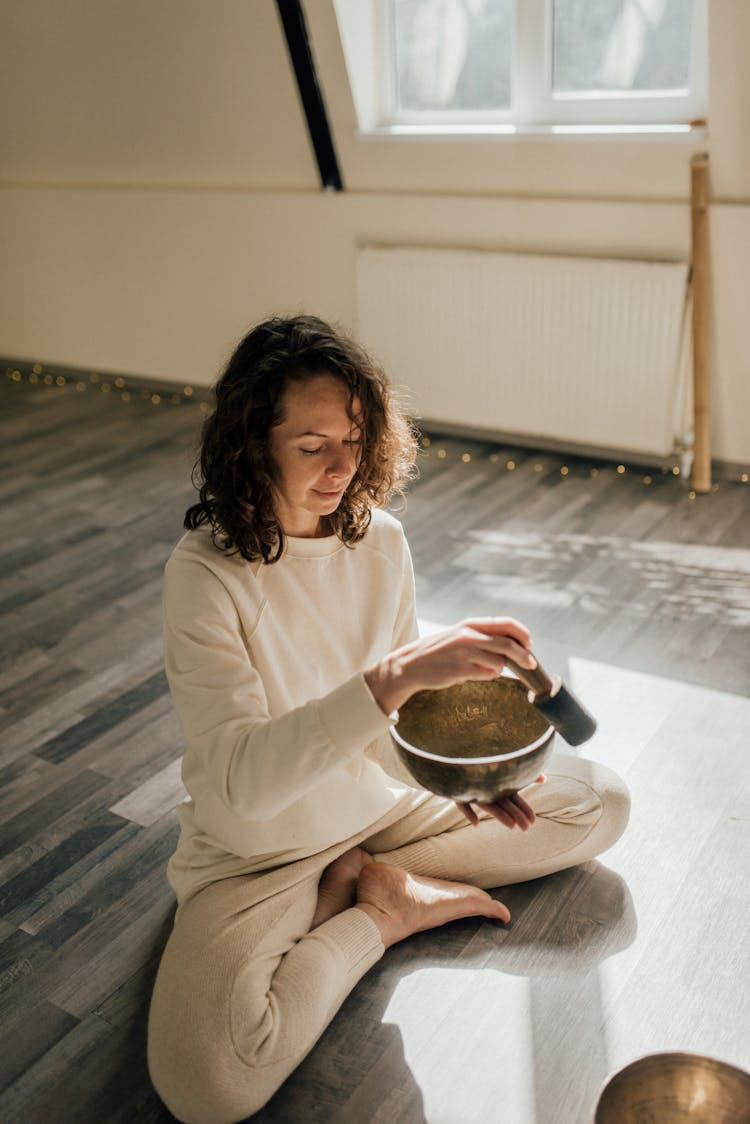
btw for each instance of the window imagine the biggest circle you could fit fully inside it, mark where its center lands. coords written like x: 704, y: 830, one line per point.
x: 466, y: 63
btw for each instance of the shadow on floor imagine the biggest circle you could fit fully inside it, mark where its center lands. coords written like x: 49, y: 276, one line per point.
x: 380, y: 1060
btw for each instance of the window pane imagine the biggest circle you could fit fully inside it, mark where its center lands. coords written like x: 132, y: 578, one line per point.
x: 452, y: 54
x: 621, y: 45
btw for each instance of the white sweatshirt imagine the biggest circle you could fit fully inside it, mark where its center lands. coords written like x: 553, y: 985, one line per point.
x: 265, y: 667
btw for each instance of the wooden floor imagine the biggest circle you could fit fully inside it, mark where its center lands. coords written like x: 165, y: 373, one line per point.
x: 637, y: 594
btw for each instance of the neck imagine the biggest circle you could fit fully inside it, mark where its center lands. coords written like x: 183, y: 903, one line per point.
x: 322, y: 530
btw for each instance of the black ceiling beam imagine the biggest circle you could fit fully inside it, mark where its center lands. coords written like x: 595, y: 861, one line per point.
x: 298, y: 42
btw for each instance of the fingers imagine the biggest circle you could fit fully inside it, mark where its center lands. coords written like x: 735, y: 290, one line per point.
x: 524, y: 809
x: 485, y: 656
x: 521, y: 814
x: 501, y: 626
x: 468, y: 811
x: 511, y: 811
x: 477, y: 648
x: 500, y: 813
x: 497, y: 640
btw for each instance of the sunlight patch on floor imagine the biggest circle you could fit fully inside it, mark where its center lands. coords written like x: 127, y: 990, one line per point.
x: 682, y: 750
x: 441, y: 1014
x: 632, y: 707
x: 674, y: 580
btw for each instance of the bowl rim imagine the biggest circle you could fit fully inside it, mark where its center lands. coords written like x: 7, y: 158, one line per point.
x: 677, y: 1057
x: 493, y: 757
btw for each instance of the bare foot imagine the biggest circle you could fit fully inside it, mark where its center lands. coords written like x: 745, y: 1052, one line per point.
x: 337, y: 889
x: 401, y: 903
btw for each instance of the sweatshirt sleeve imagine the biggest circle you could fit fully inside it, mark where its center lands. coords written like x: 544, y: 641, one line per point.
x: 255, y: 764
x: 406, y: 627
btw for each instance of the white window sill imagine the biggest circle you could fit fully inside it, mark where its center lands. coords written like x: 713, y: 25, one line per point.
x: 690, y: 134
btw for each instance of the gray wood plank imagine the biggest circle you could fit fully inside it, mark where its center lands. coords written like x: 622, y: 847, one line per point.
x: 28, y: 1035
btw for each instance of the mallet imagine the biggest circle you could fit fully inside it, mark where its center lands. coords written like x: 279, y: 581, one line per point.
x: 559, y: 706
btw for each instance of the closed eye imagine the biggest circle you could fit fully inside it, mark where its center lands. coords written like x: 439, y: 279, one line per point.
x: 353, y: 443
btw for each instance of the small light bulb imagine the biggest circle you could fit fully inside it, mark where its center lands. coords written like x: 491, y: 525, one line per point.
x: 466, y: 458
x: 510, y: 465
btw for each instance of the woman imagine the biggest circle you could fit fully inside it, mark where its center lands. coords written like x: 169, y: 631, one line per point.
x: 290, y: 640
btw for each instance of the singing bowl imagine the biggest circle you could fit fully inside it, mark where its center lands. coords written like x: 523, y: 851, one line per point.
x: 676, y: 1089
x: 479, y: 740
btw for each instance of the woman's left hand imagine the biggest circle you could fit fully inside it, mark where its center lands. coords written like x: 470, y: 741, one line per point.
x: 512, y: 811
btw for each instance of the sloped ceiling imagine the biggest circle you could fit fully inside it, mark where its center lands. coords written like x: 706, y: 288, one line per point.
x: 173, y: 92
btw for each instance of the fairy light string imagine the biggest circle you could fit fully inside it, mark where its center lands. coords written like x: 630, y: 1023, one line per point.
x: 36, y: 375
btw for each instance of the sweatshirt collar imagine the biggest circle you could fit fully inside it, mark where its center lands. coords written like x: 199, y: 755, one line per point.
x: 312, y: 548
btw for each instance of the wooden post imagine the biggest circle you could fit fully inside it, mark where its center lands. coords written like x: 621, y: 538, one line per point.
x: 701, y: 325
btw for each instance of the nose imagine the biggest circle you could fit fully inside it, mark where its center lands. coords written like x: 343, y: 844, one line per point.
x: 342, y: 463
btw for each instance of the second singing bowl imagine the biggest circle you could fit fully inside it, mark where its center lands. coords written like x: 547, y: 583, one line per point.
x: 676, y: 1089
x: 480, y: 740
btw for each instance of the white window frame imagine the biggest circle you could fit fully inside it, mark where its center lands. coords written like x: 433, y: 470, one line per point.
x: 533, y: 102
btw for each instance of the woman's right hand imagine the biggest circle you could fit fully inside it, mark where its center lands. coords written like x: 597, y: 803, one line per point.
x: 476, y: 648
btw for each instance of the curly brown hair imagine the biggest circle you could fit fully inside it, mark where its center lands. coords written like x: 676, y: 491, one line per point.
x: 234, y: 473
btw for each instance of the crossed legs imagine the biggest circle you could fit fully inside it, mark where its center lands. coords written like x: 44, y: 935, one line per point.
x: 247, y: 986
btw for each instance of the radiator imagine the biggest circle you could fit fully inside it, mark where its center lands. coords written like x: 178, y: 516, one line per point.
x: 575, y: 352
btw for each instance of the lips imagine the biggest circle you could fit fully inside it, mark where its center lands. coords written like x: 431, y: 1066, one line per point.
x: 330, y: 495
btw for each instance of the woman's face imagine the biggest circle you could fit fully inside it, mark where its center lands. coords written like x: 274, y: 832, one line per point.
x: 314, y: 451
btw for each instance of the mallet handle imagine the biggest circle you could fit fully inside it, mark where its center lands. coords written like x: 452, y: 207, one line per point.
x: 541, y: 685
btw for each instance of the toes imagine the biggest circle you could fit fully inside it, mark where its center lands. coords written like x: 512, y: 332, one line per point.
x: 501, y: 912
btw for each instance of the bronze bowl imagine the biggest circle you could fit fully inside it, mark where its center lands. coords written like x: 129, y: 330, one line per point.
x: 676, y: 1089
x: 478, y: 740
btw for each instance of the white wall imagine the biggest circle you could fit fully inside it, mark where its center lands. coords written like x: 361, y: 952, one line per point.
x: 158, y: 193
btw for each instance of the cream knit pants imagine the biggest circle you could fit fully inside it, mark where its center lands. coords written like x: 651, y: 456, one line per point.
x: 244, y: 989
